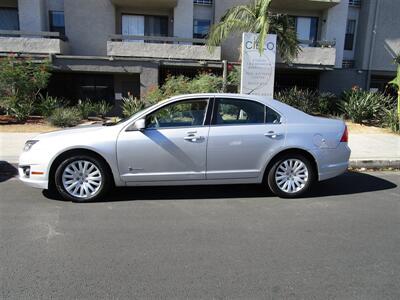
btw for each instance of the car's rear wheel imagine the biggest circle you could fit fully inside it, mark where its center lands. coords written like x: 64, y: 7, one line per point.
x: 82, y: 178
x: 291, y: 176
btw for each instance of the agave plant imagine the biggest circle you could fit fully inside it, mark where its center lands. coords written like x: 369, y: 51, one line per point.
x: 131, y: 105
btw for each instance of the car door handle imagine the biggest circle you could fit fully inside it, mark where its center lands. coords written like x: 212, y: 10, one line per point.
x: 193, y: 138
x: 272, y: 134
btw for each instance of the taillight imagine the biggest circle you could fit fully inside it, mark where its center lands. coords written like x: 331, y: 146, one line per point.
x: 345, y: 136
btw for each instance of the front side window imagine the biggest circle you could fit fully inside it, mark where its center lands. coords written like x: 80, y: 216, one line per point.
x: 190, y: 113
x: 236, y: 112
x: 57, y: 23
x: 9, y: 19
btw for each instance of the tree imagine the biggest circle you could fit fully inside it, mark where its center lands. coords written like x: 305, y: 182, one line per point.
x: 257, y: 18
x: 20, y: 83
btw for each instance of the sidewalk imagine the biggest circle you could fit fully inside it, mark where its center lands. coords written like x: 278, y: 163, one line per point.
x: 368, y: 150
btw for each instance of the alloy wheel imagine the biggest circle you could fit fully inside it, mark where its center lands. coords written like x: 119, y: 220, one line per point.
x: 81, y: 179
x: 291, y: 176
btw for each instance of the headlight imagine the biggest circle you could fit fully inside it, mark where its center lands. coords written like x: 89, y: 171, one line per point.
x: 29, y: 144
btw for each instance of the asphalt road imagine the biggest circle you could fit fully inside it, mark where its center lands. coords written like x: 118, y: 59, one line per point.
x: 342, y: 242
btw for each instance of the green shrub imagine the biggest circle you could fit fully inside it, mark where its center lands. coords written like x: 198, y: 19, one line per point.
x: 47, y: 105
x: 131, y: 105
x: 21, y: 110
x: 364, y: 106
x: 102, y: 108
x: 153, y: 96
x: 65, y: 117
x: 205, y: 83
x: 20, y: 83
x: 328, y: 104
x: 175, y: 85
x: 305, y: 100
x: 391, y: 120
x: 86, y: 108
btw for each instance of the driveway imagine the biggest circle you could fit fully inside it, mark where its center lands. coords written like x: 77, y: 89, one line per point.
x: 341, y: 242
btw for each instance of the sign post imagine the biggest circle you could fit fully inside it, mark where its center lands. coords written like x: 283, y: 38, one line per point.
x: 258, y: 71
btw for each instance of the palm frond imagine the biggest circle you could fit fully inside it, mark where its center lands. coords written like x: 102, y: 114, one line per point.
x: 236, y: 19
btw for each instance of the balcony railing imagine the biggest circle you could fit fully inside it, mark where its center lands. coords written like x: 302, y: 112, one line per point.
x: 203, y: 2
x: 160, y: 47
x: 43, y: 42
x: 317, y: 44
x: 356, y: 3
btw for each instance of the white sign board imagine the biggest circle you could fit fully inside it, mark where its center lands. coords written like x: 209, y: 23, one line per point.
x: 258, y: 71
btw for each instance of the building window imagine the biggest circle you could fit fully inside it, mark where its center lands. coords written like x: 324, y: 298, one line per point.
x: 203, y: 2
x: 306, y: 29
x: 144, y: 25
x: 350, y: 31
x: 9, y: 19
x: 201, y: 28
x: 57, y: 23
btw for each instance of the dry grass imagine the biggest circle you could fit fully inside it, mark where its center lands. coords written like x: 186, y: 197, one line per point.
x: 38, y: 127
x: 364, y: 129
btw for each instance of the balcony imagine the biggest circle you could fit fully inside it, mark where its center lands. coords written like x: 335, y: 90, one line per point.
x: 160, y: 48
x: 14, y: 41
x: 315, y: 54
x: 158, y: 4
x: 303, y: 4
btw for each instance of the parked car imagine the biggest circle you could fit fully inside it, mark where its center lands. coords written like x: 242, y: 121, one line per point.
x: 191, y: 140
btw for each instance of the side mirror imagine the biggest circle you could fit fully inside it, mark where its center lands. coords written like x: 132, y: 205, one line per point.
x: 140, y: 124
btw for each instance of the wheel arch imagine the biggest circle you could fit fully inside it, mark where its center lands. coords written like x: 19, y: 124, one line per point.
x: 283, y: 152
x: 76, y: 151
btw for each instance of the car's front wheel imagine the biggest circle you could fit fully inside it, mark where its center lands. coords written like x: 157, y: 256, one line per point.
x: 291, y: 176
x: 82, y: 178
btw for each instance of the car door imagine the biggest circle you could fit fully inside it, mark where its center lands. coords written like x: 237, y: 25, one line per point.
x: 171, y: 147
x: 243, y: 134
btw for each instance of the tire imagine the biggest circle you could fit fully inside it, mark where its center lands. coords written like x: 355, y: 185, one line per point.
x: 291, y: 176
x: 82, y: 178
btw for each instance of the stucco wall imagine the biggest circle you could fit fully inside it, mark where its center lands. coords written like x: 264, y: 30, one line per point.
x: 183, y: 19
x: 387, y: 43
x: 32, y: 15
x: 334, y: 28
x: 166, y: 51
x: 387, y: 40
x: 32, y: 45
x: 88, y: 24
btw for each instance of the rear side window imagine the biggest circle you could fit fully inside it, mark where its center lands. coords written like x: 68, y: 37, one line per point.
x: 236, y: 112
x: 272, y: 117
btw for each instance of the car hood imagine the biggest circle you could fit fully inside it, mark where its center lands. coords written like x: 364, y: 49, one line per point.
x: 84, y: 129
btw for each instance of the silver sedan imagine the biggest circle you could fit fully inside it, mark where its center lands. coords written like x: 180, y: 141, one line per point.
x: 191, y: 140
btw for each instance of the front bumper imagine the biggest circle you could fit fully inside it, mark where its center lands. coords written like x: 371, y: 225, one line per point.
x: 37, y: 176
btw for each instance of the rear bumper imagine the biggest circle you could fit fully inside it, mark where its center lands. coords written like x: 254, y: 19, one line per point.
x: 332, y: 162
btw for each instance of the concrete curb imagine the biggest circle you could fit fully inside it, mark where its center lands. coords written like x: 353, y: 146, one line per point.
x: 375, y: 164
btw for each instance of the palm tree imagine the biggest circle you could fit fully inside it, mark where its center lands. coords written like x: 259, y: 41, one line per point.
x: 257, y: 18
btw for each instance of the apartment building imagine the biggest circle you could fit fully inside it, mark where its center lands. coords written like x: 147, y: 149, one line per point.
x: 105, y: 49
